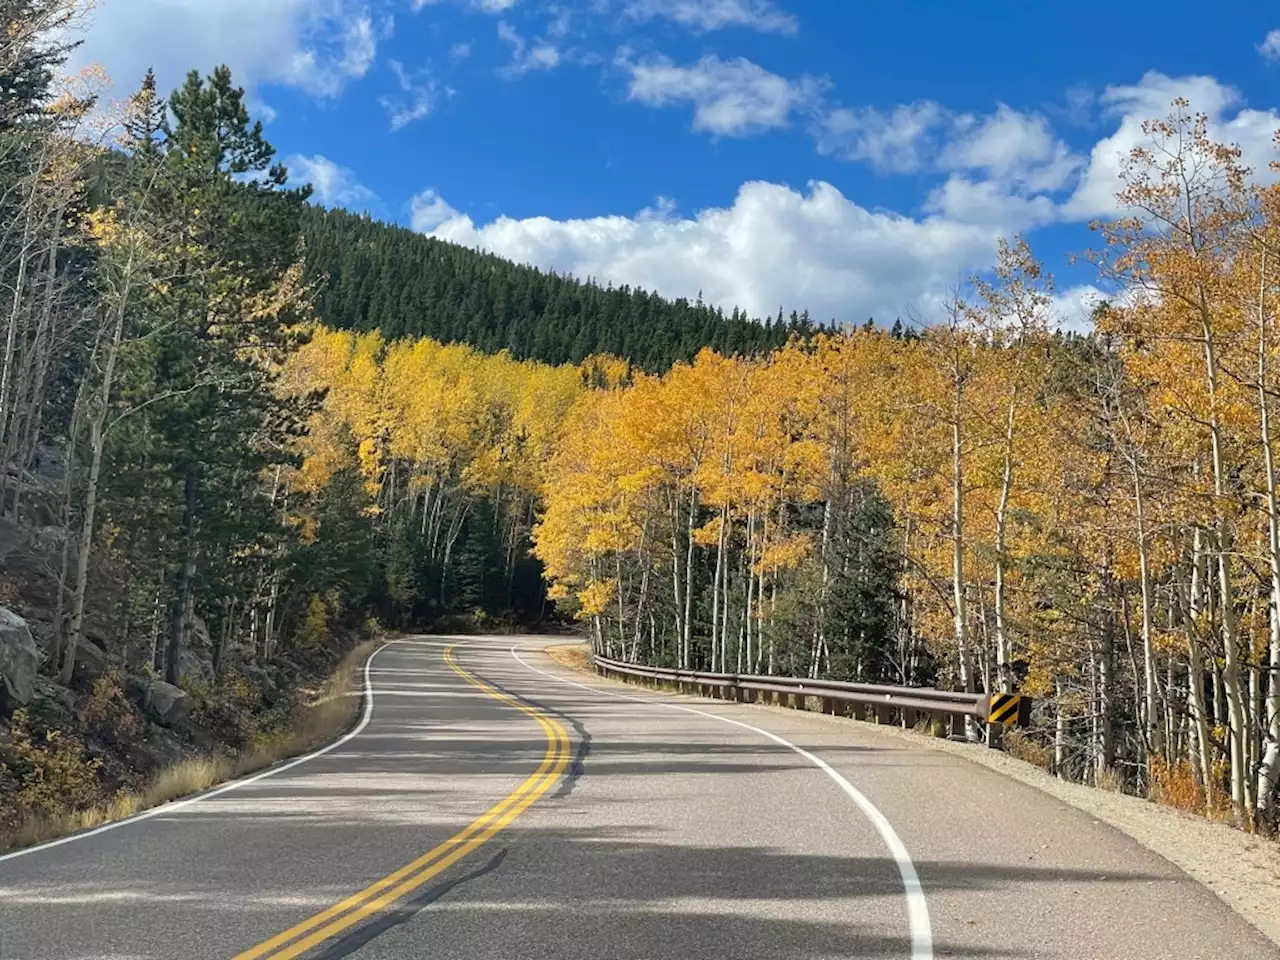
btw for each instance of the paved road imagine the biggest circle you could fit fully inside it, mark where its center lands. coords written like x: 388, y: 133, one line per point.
x: 500, y: 807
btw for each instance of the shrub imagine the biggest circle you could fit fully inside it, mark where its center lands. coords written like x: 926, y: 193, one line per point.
x: 107, y: 713
x: 228, y: 710
x: 1023, y: 745
x: 53, y: 773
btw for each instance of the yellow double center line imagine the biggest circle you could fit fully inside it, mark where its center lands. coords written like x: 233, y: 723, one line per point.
x: 343, y: 916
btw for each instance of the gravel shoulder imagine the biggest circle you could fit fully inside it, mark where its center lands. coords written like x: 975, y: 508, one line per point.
x: 1243, y: 870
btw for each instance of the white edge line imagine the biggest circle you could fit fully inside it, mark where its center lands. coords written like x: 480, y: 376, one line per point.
x: 176, y: 805
x: 917, y: 907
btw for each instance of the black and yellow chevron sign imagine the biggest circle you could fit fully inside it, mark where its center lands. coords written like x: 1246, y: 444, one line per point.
x: 1002, y: 709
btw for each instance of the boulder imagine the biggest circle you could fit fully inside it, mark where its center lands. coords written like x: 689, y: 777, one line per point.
x: 53, y: 706
x: 91, y: 660
x: 155, y: 748
x: 170, y: 704
x: 195, y: 665
x: 19, y: 660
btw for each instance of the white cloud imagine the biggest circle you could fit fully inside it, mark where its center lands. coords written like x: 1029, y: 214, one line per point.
x: 315, y: 45
x: 990, y: 202
x: 334, y: 185
x: 1018, y: 149
x: 460, y: 51
x: 732, y: 98
x: 1012, y: 147
x: 1270, y: 46
x: 420, y: 93
x: 541, y: 56
x: 428, y: 211
x: 1151, y: 99
x: 774, y: 246
x: 1072, y: 309
x: 900, y: 141
x: 706, y: 15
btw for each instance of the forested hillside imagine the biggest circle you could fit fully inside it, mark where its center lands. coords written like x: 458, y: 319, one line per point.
x: 238, y: 432
x: 374, y: 276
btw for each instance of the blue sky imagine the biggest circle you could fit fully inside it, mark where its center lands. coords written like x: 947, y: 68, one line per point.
x: 852, y: 158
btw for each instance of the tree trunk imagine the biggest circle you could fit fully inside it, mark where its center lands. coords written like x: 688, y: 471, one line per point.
x: 184, y: 607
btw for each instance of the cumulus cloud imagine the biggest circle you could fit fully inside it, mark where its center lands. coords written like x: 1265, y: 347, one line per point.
x: 315, y: 45
x: 1011, y: 147
x: 774, y: 246
x: 731, y: 98
x: 707, y: 15
x: 1151, y: 98
x: 900, y: 140
x: 1017, y: 149
x: 333, y: 185
x: 428, y: 211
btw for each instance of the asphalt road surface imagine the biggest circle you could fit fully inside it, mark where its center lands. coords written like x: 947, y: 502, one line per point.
x: 498, y: 806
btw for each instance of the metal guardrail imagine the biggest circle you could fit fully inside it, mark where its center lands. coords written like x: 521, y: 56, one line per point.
x: 883, y: 704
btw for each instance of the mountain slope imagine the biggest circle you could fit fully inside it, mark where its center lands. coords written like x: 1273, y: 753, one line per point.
x: 375, y: 275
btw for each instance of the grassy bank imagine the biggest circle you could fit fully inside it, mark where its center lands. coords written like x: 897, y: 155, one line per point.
x: 329, y: 712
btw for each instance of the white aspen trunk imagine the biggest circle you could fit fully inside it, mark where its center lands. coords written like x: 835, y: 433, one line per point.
x: 751, y: 583
x: 957, y: 552
x: 8, y: 359
x: 1004, y: 645
x: 1269, y: 765
x: 1225, y: 544
x: 715, y: 584
x: 820, y: 628
x: 643, y: 602
x: 622, y: 611
x: 97, y: 444
x: 686, y: 640
x: 1060, y: 732
x: 674, y: 501
x: 1151, y: 710
x: 724, y: 607
x: 1195, y: 663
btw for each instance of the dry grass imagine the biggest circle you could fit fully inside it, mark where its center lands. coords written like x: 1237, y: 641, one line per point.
x: 1021, y: 745
x: 575, y: 656
x: 330, y: 713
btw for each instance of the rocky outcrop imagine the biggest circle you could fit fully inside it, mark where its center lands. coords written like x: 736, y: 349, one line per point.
x: 195, y: 665
x: 170, y: 705
x: 91, y: 660
x: 19, y: 660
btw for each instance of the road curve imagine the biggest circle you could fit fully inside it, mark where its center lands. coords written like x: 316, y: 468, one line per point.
x: 496, y: 806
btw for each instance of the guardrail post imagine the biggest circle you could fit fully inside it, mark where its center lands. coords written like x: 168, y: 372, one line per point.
x: 883, y: 713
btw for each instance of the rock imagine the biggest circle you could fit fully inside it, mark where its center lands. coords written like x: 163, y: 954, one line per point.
x: 12, y: 537
x: 91, y: 660
x: 262, y: 682
x: 19, y: 660
x: 195, y: 665
x: 170, y: 704
x: 155, y: 749
x: 199, y: 633
x: 53, y: 706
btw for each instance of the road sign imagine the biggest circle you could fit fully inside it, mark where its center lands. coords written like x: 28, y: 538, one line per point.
x: 1003, y: 709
